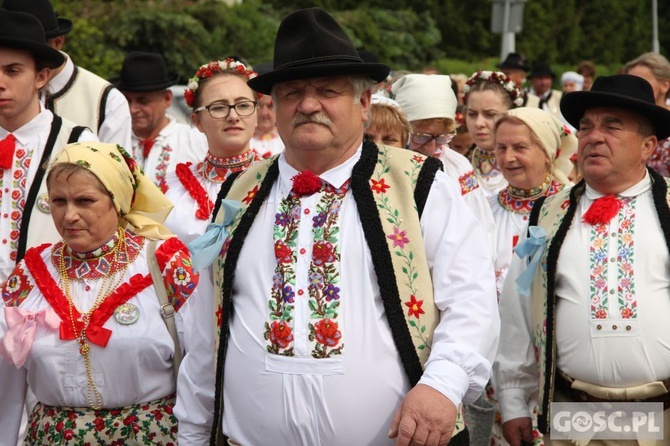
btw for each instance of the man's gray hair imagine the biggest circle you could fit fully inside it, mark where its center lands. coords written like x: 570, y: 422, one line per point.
x: 361, y: 83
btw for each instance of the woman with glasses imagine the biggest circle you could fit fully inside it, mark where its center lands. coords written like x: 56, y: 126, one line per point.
x: 487, y: 95
x: 225, y: 110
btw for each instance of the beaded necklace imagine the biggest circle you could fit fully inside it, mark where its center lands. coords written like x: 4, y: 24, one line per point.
x: 217, y: 169
x: 485, y: 168
x: 109, y: 284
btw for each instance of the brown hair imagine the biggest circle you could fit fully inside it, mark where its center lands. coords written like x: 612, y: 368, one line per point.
x: 387, y: 117
x: 483, y: 85
x: 203, y: 82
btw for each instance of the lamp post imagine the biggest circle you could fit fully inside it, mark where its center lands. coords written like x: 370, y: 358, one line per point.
x: 655, y: 46
x: 507, y: 19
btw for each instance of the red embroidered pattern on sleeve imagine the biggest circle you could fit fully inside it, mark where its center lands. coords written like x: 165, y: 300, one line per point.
x: 174, y: 261
x: 17, y: 287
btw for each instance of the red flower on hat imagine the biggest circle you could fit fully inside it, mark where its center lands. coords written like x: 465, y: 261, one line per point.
x: 305, y: 183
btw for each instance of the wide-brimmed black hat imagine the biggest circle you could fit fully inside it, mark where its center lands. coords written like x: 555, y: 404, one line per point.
x: 44, y: 11
x: 514, y: 61
x: 142, y: 71
x: 310, y: 43
x: 621, y: 91
x: 541, y: 69
x: 23, y: 31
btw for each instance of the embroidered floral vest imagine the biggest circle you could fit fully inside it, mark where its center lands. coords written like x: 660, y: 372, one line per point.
x: 390, y: 187
x: 555, y: 215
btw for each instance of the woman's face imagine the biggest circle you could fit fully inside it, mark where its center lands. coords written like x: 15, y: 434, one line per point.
x: 390, y: 137
x: 83, y: 213
x: 227, y: 136
x: 523, y: 162
x: 482, y: 109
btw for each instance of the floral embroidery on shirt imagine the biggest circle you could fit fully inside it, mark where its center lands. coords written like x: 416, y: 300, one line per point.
x: 599, y: 265
x: 16, y: 288
x: 18, y: 197
x: 625, y: 248
x: 323, y: 276
x: 162, y: 167
x: 179, y: 277
x: 468, y: 182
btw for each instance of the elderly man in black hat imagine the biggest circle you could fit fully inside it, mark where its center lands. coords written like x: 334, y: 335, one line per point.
x: 72, y: 91
x: 159, y: 141
x: 362, y: 285
x: 29, y: 136
x: 516, y: 67
x: 595, y: 326
x: 541, y: 79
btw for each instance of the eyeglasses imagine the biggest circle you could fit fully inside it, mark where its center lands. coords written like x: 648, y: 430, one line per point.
x: 425, y: 138
x: 218, y: 110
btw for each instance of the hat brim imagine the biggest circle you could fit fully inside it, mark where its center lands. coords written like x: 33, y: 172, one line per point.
x: 574, y: 104
x: 163, y: 85
x: 49, y: 56
x: 64, y: 27
x: 264, y: 83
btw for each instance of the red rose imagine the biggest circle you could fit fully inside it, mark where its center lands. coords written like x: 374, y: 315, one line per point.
x: 20, y: 153
x: 326, y: 332
x: 68, y: 434
x: 281, y: 334
x: 17, y: 174
x: 71, y: 416
x: 136, y: 428
x: 99, y: 424
x: 283, y: 253
x: 59, y: 426
x: 322, y: 252
x: 129, y: 419
x: 16, y: 194
x: 168, y: 409
x: 16, y: 215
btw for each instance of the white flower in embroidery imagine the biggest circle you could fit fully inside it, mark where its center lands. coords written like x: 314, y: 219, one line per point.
x: 13, y: 284
x: 181, y: 276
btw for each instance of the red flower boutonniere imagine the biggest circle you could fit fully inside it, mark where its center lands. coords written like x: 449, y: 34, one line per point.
x: 305, y: 183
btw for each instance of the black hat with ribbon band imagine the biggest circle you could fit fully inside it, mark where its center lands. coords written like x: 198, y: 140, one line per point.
x: 310, y: 43
x: 619, y: 91
x: 514, y: 61
x: 142, y: 71
x: 23, y: 31
x: 541, y: 69
x: 42, y: 9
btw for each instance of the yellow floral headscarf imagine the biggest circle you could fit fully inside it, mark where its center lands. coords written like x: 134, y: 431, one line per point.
x: 138, y: 201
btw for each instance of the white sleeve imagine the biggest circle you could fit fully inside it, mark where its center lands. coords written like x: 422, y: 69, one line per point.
x: 12, y: 394
x: 117, y: 126
x: 480, y: 206
x: 515, y: 367
x: 466, y: 338
x: 195, y: 386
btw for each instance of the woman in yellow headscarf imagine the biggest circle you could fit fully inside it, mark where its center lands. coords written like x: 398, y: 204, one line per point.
x: 96, y: 323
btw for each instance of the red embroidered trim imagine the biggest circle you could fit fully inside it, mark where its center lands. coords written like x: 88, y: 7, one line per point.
x: 174, y: 261
x: 195, y: 190
x: 95, y: 332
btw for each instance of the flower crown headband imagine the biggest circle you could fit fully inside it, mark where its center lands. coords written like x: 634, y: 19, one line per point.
x: 206, y: 71
x: 496, y: 77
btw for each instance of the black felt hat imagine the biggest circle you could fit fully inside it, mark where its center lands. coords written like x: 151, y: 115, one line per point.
x: 23, y: 31
x: 514, y: 61
x: 44, y: 11
x: 622, y: 91
x: 541, y: 69
x: 143, y: 71
x: 310, y: 43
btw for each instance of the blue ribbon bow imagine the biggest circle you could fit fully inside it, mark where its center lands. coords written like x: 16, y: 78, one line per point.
x: 532, y: 247
x: 205, y: 248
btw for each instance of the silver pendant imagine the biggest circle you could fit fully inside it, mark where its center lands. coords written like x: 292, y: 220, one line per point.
x: 127, y: 314
x: 43, y: 203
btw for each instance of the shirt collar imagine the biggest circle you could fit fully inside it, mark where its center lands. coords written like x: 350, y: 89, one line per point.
x: 61, y: 79
x: 639, y: 188
x: 31, y: 129
x: 336, y: 176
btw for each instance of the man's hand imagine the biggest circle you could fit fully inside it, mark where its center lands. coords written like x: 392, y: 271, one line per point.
x: 425, y: 417
x: 517, y: 430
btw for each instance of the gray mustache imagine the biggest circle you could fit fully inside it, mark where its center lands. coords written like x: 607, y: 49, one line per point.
x: 318, y: 118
